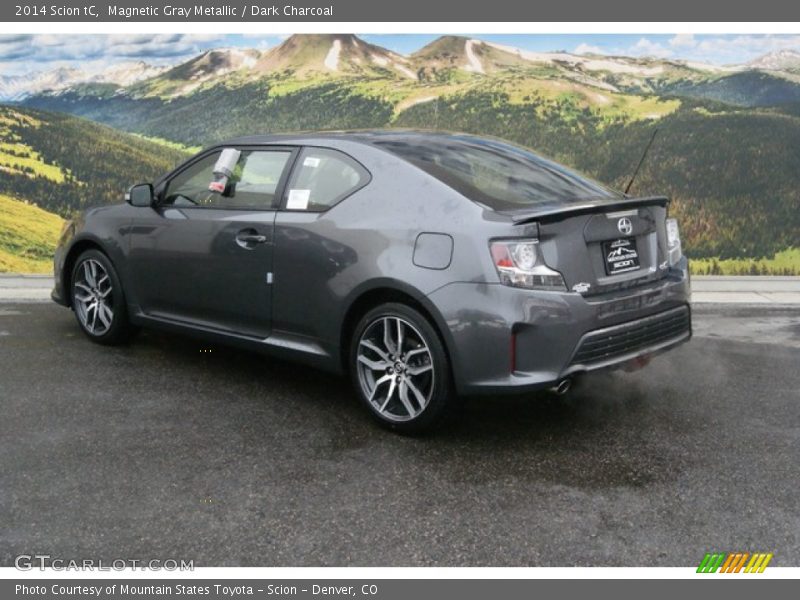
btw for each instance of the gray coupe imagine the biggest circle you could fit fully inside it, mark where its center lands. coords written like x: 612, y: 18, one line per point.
x: 423, y: 265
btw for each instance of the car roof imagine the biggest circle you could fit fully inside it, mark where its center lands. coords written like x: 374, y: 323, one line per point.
x: 368, y: 137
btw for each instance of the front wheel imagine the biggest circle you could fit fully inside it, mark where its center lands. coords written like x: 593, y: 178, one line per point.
x: 400, y: 368
x: 98, y: 300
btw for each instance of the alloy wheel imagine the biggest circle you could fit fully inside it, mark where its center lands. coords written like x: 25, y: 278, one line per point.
x: 92, y: 293
x: 395, y: 368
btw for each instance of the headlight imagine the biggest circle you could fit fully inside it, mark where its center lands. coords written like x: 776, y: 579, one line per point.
x: 673, y: 241
x: 519, y: 264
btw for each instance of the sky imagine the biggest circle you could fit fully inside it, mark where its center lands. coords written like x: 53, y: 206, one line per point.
x: 21, y: 54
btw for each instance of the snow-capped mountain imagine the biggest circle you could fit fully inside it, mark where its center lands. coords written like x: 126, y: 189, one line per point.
x: 780, y: 60
x: 207, y: 67
x: 333, y: 54
x: 19, y: 87
x: 310, y: 57
x: 127, y: 73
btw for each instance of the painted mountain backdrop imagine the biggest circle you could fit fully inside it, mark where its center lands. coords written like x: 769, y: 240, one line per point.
x: 728, y: 150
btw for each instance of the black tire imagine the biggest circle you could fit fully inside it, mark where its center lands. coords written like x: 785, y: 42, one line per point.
x: 118, y: 331
x: 421, y: 347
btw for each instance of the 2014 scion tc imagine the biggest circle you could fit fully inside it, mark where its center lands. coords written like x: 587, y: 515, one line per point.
x: 423, y: 265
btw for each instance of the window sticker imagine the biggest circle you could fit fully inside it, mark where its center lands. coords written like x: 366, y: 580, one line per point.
x: 298, y: 199
x: 311, y: 161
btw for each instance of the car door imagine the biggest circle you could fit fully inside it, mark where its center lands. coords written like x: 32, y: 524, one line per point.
x: 311, y: 254
x: 204, y: 258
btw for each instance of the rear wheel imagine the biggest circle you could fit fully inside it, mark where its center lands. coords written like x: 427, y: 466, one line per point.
x: 400, y: 368
x: 98, y: 300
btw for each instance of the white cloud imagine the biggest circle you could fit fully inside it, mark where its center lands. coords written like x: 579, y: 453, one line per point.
x: 645, y: 47
x: 24, y: 54
x: 745, y: 47
x: 588, y: 49
x: 683, y: 40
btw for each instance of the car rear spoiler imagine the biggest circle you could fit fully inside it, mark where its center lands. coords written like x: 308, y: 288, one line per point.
x: 519, y: 217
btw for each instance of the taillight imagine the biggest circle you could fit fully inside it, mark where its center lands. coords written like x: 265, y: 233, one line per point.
x: 519, y: 263
x: 673, y: 241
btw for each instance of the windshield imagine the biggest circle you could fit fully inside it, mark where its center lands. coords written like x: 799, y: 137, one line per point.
x: 501, y: 176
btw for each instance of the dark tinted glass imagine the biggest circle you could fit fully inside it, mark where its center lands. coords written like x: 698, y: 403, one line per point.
x: 322, y: 178
x: 501, y: 176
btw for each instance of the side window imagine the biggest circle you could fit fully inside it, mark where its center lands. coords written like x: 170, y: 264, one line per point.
x: 252, y: 184
x: 190, y: 186
x: 255, y: 179
x: 322, y: 178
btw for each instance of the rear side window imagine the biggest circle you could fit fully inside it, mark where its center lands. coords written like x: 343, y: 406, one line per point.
x: 252, y: 184
x: 323, y: 177
x: 498, y: 175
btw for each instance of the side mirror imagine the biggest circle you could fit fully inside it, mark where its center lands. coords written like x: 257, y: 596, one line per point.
x: 140, y: 194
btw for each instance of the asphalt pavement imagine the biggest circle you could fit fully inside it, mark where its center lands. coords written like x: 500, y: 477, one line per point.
x: 170, y: 448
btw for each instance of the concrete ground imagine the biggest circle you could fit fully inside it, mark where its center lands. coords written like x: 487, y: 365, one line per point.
x: 169, y: 448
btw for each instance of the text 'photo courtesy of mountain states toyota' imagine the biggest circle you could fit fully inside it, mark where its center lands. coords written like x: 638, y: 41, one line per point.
x: 422, y: 265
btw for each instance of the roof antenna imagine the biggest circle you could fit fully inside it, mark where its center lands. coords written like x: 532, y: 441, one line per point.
x: 641, y: 160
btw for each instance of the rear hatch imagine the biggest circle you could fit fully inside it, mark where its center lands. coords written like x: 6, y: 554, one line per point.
x: 603, y: 248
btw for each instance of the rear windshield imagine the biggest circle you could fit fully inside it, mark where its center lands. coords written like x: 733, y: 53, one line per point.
x: 501, y: 176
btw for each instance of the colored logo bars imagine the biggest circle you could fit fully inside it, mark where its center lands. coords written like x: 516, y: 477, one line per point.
x: 734, y: 562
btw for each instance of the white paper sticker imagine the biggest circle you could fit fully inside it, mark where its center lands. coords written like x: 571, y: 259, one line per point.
x: 226, y: 162
x: 298, y: 199
x: 311, y: 161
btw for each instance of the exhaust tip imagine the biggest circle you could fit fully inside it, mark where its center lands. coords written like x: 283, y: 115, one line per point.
x: 562, y: 387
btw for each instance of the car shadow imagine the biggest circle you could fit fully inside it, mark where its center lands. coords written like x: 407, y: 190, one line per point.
x: 606, y: 431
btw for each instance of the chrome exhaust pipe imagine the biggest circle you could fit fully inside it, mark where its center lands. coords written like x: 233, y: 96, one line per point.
x: 562, y: 387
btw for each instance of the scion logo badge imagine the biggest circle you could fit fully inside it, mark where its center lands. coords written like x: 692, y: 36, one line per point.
x: 734, y: 562
x: 625, y: 226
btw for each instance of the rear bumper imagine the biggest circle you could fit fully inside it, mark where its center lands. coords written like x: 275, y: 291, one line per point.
x: 621, y: 343
x: 507, y: 340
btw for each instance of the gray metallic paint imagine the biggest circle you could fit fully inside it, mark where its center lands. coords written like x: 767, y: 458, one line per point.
x: 182, y: 269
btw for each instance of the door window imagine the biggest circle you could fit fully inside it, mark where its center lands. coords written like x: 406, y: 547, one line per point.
x: 252, y: 185
x: 322, y: 178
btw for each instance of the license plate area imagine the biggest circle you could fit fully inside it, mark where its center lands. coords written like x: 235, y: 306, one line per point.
x: 620, y: 256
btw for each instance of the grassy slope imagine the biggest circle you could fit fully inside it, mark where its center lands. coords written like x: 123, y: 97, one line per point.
x: 785, y: 262
x: 71, y: 163
x: 749, y: 88
x: 734, y: 200
x: 28, y: 237
x: 56, y: 163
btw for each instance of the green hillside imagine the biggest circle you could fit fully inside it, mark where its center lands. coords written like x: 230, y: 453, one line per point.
x: 750, y: 88
x: 52, y: 165
x: 734, y: 173
x: 733, y: 199
x: 63, y: 164
x: 28, y: 237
